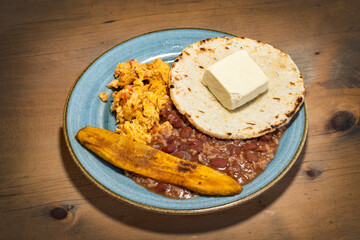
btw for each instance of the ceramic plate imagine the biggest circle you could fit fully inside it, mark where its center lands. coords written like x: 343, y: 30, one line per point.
x: 84, y: 108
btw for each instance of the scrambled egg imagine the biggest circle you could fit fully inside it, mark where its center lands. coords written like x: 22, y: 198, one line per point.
x: 103, y: 96
x: 142, y: 96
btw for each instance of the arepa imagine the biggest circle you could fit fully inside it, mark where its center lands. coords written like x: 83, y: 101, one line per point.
x: 269, y: 111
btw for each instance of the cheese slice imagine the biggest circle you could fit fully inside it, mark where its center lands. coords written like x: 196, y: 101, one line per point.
x: 235, y: 80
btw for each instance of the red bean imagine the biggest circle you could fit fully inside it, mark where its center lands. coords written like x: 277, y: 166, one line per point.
x: 186, y: 132
x: 251, y: 156
x: 177, y: 123
x: 266, y: 137
x: 219, y: 163
x: 161, y: 187
x: 249, y: 146
x: 234, y: 150
x: 169, y: 148
x: 179, y: 155
x: 170, y: 140
x: 202, y: 138
x: 169, y: 116
x: 175, y: 120
x: 196, y: 145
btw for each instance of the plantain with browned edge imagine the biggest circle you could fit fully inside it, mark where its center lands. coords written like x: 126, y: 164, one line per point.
x: 150, y: 162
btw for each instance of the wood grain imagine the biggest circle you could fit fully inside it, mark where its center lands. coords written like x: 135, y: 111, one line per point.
x: 45, y: 45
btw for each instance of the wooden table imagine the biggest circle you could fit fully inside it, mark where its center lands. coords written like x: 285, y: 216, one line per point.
x: 45, y: 45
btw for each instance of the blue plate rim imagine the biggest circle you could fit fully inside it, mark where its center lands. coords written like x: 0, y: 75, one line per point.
x: 169, y: 210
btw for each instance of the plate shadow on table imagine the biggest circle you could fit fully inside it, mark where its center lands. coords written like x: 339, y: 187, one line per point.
x: 165, y: 223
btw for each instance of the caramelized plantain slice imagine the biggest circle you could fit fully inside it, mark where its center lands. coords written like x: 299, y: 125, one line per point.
x: 150, y: 162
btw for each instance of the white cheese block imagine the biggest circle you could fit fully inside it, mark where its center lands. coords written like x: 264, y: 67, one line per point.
x: 235, y: 80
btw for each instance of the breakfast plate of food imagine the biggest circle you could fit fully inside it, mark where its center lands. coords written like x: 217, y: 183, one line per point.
x: 187, y: 120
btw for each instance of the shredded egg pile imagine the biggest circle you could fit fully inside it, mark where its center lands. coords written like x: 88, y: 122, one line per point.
x: 142, y: 95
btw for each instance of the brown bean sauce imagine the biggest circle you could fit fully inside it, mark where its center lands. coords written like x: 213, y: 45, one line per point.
x: 243, y: 160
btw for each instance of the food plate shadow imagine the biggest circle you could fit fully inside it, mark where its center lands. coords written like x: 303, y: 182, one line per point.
x: 167, y: 223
